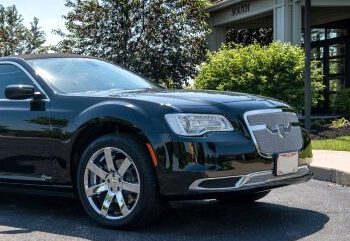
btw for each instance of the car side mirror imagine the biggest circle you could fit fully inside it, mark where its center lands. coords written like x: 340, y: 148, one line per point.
x: 19, y: 92
x: 38, y: 96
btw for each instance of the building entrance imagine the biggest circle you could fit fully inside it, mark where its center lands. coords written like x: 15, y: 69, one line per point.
x: 331, y: 46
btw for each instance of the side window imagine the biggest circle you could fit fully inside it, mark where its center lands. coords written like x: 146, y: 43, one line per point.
x: 12, y: 75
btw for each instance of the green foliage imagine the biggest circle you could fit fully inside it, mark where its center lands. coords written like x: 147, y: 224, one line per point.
x: 15, y: 38
x: 163, y: 40
x: 12, y: 31
x: 276, y: 70
x: 317, y: 124
x: 339, y: 123
x: 337, y: 144
x: 35, y: 38
x: 341, y: 102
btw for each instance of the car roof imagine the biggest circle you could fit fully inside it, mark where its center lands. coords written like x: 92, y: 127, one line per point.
x: 45, y: 56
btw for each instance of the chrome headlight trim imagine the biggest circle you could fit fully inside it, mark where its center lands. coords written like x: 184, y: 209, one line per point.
x: 188, y: 124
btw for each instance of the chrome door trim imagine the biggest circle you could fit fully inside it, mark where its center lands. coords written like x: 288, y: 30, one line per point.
x: 31, y: 77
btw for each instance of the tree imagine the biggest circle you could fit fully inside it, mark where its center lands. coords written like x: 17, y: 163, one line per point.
x: 15, y: 38
x: 163, y: 40
x: 276, y: 70
x: 12, y: 31
x: 35, y: 38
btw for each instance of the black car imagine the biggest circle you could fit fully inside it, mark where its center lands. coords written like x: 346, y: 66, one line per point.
x: 73, y: 125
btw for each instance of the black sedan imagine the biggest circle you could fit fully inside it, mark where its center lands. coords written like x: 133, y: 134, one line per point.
x: 72, y: 125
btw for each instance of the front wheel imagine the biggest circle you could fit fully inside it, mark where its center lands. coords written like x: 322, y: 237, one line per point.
x: 116, y: 182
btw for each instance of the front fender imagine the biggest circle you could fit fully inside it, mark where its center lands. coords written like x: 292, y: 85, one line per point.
x: 122, y: 112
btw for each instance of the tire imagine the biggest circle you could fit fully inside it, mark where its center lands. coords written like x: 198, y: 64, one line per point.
x: 116, y: 182
x: 245, y: 198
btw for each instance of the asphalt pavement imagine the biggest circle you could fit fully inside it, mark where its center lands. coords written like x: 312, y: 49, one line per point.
x: 311, y: 211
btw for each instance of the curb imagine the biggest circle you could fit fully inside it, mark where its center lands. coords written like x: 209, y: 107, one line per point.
x: 331, y: 175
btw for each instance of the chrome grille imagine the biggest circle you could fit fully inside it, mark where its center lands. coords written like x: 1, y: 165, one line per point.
x: 274, y: 131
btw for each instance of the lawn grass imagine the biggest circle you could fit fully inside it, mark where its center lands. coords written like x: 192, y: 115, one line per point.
x: 337, y: 144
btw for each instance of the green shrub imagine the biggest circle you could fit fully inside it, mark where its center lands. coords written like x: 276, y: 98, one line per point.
x: 276, y: 70
x: 339, y: 123
x: 341, y: 102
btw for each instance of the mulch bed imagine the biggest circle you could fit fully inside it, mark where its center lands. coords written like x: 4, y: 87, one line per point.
x: 327, y: 132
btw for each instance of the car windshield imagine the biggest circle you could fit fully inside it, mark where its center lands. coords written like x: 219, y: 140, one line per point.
x: 81, y: 75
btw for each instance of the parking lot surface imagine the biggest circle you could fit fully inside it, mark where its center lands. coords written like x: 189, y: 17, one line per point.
x: 311, y: 211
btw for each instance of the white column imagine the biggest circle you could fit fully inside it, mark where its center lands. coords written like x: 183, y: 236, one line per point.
x: 287, y: 21
x: 282, y: 21
x: 296, y: 22
x: 217, y: 38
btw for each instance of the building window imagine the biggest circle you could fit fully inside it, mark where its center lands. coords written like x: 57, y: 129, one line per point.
x: 331, y: 47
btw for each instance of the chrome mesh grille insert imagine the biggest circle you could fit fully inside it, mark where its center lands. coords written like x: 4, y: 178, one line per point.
x: 274, y: 131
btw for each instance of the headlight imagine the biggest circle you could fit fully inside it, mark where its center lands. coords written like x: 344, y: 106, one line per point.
x: 197, y: 124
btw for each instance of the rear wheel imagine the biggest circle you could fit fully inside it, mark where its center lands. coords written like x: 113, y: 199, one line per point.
x: 243, y: 198
x: 116, y: 182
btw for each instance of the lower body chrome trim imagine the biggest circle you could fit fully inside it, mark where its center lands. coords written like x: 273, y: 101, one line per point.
x: 249, y: 180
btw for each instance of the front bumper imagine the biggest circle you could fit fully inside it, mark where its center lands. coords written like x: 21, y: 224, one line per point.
x: 239, y: 185
x: 229, y: 159
x: 256, y: 180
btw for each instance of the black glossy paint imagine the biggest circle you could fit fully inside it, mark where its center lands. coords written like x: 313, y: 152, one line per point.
x: 40, y: 140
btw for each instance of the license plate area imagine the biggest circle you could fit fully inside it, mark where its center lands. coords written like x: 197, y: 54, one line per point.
x: 286, y: 163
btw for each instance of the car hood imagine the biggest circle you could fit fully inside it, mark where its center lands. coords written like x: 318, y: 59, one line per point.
x: 193, y: 98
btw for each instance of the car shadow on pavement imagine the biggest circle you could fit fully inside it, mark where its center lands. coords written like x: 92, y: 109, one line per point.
x: 186, y: 220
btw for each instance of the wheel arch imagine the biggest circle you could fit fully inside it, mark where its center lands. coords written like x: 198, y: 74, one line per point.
x: 96, y: 128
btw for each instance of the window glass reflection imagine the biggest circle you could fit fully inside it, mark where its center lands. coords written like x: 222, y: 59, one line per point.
x: 335, y: 33
x: 336, y: 84
x: 317, y: 53
x: 317, y: 34
x: 336, y: 50
x: 337, y: 66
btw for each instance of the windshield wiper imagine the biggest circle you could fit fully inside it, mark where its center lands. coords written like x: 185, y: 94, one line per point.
x: 134, y: 90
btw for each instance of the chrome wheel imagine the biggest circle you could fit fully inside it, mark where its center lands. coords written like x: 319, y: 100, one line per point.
x: 112, y: 183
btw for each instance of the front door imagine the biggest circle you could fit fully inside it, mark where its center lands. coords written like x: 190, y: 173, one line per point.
x: 24, y: 131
